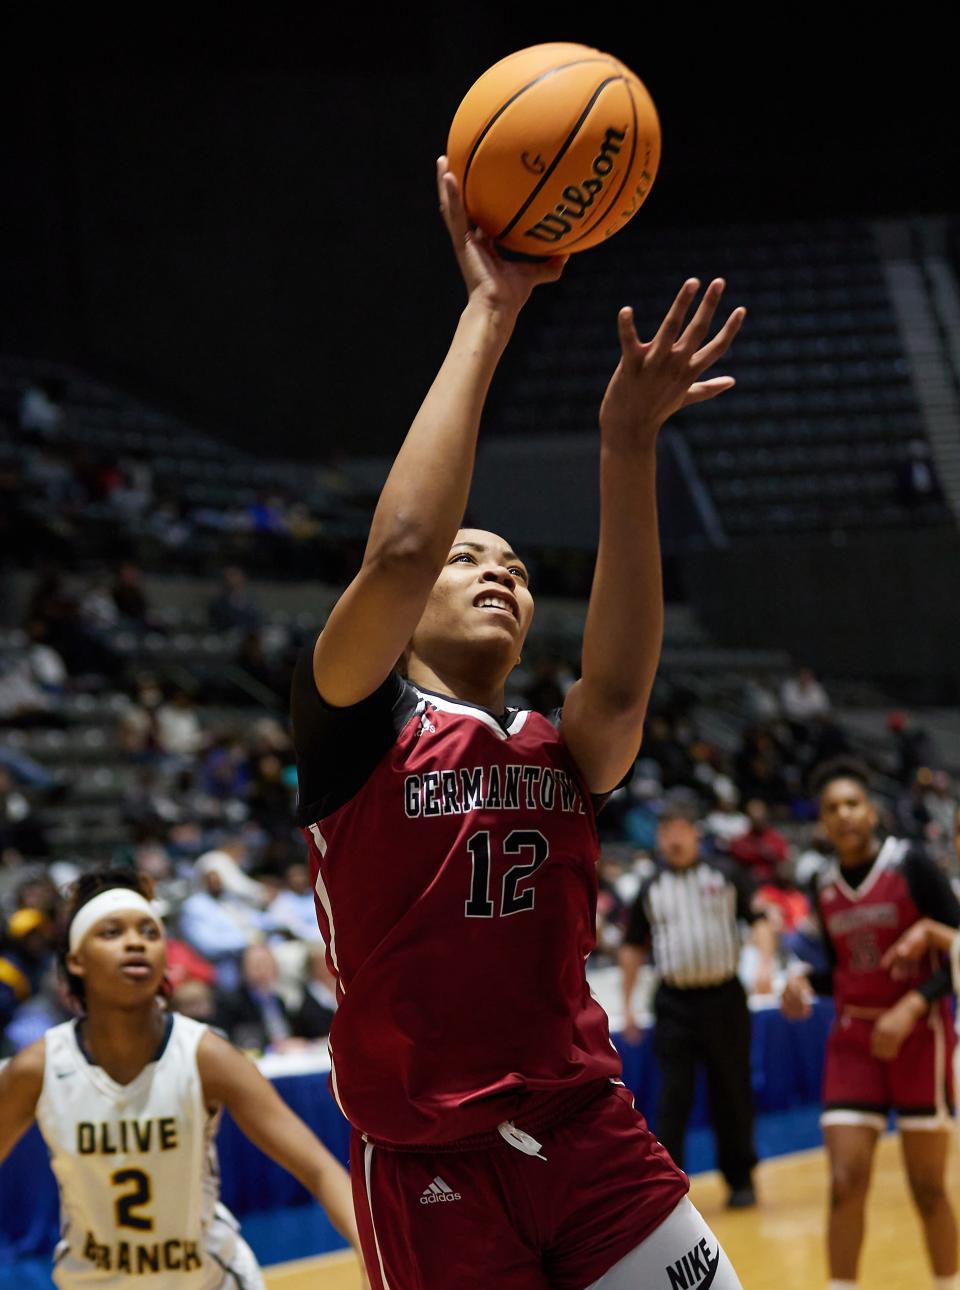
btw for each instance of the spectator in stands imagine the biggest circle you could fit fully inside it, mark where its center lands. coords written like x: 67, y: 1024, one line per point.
x: 253, y: 1015
x: 762, y: 849
x: 803, y: 699
x: 270, y: 796
x: 178, y: 726
x: 940, y: 800
x: 39, y: 891
x: 224, y: 914
x: 130, y: 597
x: 49, y: 474
x: 726, y: 821
x: 225, y: 769
x: 135, y: 492
x: 814, y: 858
x: 169, y: 524
x: 25, y: 953
x: 24, y: 703
x: 760, y: 767
x: 138, y: 732
x: 47, y: 1007
x: 611, y: 908
x: 54, y: 605
x: 97, y: 605
x: 27, y: 773
x: 46, y: 666
x: 661, y: 744
x: 545, y: 693
x: 41, y: 408
x: 196, y: 999
x: 234, y: 606
x: 916, y: 480
x: 252, y: 657
x: 315, y: 1015
x: 760, y: 702
x: 293, y: 909
x: 912, y: 746
x: 20, y: 829
x: 266, y: 516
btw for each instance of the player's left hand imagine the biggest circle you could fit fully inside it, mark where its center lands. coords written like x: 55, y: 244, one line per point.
x: 909, y: 947
x: 892, y: 1027
x: 655, y: 378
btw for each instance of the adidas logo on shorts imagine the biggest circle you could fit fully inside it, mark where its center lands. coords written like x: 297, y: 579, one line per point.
x: 438, y: 1193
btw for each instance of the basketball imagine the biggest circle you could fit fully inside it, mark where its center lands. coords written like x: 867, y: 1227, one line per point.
x: 555, y: 148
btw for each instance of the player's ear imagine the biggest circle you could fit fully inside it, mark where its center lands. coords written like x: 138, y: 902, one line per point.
x: 74, y: 964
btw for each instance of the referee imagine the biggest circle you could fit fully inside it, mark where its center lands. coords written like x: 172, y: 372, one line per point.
x: 688, y: 914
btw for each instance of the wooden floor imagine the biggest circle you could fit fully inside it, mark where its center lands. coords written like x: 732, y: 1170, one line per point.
x: 777, y: 1246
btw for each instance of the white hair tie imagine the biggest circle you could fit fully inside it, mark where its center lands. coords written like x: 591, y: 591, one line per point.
x: 116, y: 900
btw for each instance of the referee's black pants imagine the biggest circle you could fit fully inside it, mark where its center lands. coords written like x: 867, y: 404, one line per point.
x: 708, y: 1026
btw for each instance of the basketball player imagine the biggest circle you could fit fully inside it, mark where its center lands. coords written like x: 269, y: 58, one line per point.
x: 891, y: 1043
x: 927, y: 934
x: 454, y: 846
x: 128, y: 1100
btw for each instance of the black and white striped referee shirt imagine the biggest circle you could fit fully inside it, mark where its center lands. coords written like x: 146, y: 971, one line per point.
x: 690, y: 918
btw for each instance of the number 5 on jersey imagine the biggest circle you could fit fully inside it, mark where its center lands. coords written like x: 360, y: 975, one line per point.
x: 512, y: 901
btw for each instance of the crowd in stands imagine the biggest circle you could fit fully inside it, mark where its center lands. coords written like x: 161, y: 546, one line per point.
x: 65, y: 493
x: 207, y: 800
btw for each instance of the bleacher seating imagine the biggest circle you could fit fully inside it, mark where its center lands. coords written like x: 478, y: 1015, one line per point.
x: 824, y: 407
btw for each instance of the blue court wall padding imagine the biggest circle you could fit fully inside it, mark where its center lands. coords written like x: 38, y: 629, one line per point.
x: 787, y: 1062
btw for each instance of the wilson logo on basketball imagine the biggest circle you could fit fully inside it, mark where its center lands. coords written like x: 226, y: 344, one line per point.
x: 578, y: 198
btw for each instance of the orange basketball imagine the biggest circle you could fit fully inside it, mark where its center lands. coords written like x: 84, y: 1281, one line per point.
x: 555, y: 148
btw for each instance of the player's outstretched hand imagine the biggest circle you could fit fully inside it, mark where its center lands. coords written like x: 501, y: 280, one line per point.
x: 656, y: 378
x: 503, y: 285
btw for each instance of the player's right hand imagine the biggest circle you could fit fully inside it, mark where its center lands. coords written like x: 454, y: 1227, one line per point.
x: 504, y: 286
x: 909, y: 947
x: 796, y: 1002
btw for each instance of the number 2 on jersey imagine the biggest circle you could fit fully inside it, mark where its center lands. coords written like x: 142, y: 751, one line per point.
x: 139, y: 1194
x: 479, y: 904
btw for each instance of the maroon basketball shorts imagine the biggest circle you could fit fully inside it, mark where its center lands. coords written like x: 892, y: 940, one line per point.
x: 917, y: 1084
x: 556, y: 1212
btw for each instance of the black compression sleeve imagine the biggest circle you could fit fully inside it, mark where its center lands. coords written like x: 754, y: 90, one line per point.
x: 638, y: 926
x: 930, y: 889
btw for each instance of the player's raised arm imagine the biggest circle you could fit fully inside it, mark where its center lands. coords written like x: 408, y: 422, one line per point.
x: 21, y: 1082
x: 426, y: 492
x: 603, y: 713
x: 230, y: 1079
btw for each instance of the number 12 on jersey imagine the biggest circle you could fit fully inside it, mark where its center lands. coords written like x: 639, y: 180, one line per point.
x: 517, y: 843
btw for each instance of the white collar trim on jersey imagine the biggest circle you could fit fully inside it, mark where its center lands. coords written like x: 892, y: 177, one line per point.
x: 892, y: 850
x: 464, y: 709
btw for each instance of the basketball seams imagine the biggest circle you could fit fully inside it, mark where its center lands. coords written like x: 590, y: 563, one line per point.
x: 628, y: 172
x: 564, y: 149
x: 552, y: 71
x: 593, y: 179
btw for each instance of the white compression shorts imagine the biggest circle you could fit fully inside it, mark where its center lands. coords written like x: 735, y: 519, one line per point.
x: 682, y: 1254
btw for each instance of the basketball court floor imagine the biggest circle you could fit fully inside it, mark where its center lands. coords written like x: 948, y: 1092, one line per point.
x: 777, y: 1246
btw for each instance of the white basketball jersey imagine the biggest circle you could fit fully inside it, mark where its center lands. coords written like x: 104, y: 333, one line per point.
x: 137, y: 1168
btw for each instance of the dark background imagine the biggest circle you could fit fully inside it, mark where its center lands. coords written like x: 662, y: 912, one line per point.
x: 238, y: 220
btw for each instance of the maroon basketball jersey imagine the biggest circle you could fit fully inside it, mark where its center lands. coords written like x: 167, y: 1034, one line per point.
x: 456, y: 891
x: 862, y: 923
